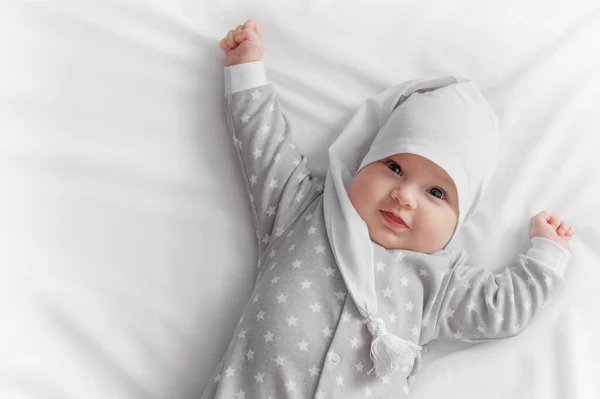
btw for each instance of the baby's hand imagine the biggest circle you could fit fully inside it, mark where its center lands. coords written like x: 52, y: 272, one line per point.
x: 244, y: 44
x: 552, y: 228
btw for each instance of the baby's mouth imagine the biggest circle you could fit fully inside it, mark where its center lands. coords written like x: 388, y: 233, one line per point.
x: 392, y: 221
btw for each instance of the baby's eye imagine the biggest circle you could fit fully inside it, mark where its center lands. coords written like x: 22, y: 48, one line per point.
x: 394, y: 164
x: 440, y: 191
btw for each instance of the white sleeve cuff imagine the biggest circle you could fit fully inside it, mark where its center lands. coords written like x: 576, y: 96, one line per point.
x: 550, y: 254
x: 244, y: 76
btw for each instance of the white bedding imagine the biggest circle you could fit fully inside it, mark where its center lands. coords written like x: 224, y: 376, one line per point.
x: 126, y: 243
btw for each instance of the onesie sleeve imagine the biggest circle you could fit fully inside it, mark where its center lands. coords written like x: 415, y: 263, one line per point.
x: 477, y: 305
x: 277, y: 179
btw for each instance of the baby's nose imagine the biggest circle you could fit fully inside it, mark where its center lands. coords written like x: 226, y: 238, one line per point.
x: 405, y: 197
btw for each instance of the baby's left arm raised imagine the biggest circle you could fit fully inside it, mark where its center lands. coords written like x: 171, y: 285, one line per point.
x: 477, y: 305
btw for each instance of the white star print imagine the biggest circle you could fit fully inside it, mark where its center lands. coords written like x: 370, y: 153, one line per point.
x: 404, y: 281
x: 293, y: 147
x: 245, y: 118
x: 242, y: 334
x: 320, y: 394
x: 265, y: 129
x: 458, y: 335
x: 320, y: 249
x: 527, y: 306
x: 230, y: 372
x: 266, y: 239
x: 415, y: 331
x: 250, y: 355
x: 423, y: 272
x: 340, y: 295
x: 380, y: 266
x: 392, y: 317
x: 218, y: 378
x: 387, y: 292
x: 405, y: 389
x: 255, y: 95
x: 345, y: 316
x: 548, y: 281
x: 280, y: 359
x: 399, y: 256
x: 301, y: 176
x: 316, y: 308
x: 272, y: 254
x: 280, y: 138
x: 450, y: 313
x: 277, y: 158
x: 271, y: 211
x: 320, y: 187
x: 297, y: 264
x: 279, y: 231
x: 292, y: 247
x: 354, y: 342
x: 257, y: 153
x: 481, y: 329
x: 281, y: 298
x: 303, y: 346
x: 409, y: 306
x: 290, y: 233
x: 499, y: 318
x: 385, y: 379
x: 259, y: 377
x: 326, y: 332
x: 467, y: 285
x: 340, y: 381
x: 471, y: 306
x: 530, y: 281
x: 275, y: 280
x: 296, y: 162
x: 240, y: 394
x: 273, y: 184
x: 291, y: 386
x: 312, y: 230
x: 268, y: 336
x: 299, y: 197
x: 367, y: 391
x: 306, y: 284
x: 314, y: 371
x: 308, y: 217
x: 329, y: 271
x: 260, y: 315
x: 292, y: 321
x: 253, y: 180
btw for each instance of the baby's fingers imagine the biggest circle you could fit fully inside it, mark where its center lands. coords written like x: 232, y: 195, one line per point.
x: 229, y: 39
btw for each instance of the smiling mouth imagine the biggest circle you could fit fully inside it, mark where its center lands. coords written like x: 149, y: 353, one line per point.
x: 393, y: 222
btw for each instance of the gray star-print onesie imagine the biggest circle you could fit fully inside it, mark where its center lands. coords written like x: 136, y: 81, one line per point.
x: 300, y: 334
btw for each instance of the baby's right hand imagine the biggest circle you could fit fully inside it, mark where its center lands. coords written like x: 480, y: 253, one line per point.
x: 244, y: 44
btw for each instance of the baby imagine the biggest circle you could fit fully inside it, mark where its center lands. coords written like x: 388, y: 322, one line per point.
x: 353, y: 272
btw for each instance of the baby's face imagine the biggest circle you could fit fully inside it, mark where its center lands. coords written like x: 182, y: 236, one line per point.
x: 417, y: 190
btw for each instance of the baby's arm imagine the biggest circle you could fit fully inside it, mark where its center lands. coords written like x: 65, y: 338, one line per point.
x: 278, y: 181
x: 477, y: 305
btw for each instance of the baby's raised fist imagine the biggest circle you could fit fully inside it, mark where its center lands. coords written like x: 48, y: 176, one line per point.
x: 245, y: 43
x: 551, y: 227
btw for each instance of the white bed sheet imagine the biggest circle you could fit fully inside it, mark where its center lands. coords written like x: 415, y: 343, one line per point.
x: 126, y: 243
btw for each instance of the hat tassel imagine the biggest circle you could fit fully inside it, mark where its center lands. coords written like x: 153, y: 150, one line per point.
x: 389, y: 352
